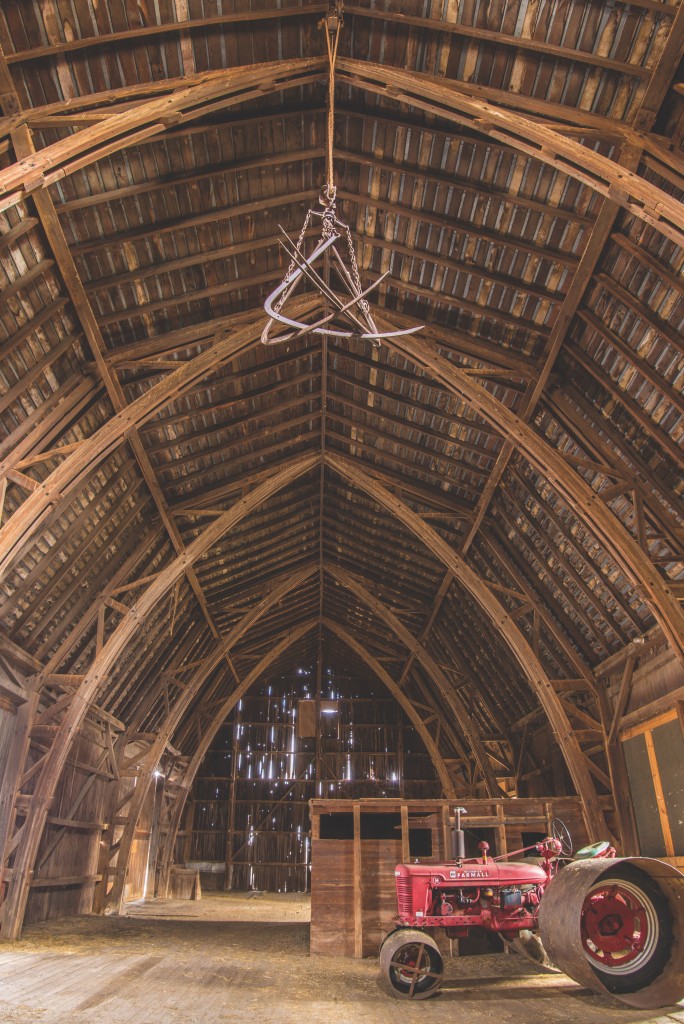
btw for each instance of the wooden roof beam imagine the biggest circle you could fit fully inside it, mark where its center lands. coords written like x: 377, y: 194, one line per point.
x: 97, y: 674
x: 565, y: 633
x: 520, y: 650
x: 527, y: 45
x: 143, y: 31
x: 90, y: 454
x: 570, y: 486
x: 590, y: 431
x: 447, y: 100
x: 205, y: 93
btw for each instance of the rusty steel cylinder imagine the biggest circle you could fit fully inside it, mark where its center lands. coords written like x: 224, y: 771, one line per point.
x: 617, y: 927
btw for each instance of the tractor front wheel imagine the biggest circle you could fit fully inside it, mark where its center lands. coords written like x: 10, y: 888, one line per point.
x: 411, y: 964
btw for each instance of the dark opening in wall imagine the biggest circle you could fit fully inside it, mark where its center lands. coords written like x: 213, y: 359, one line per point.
x: 381, y: 826
x: 476, y: 835
x: 420, y: 842
x: 337, y: 826
x: 530, y: 838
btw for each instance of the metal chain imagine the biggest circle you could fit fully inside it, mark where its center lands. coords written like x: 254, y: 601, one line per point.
x: 293, y: 266
x: 355, y: 271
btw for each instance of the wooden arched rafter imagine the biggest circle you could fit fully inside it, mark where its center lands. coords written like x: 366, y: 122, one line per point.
x: 585, y: 503
x: 447, y: 99
x: 452, y: 102
x: 446, y: 690
x: 459, y: 105
x: 527, y: 661
x: 205, y: 93
x: 191, y: 688
x: 551, y: 465
x: 168, y: 728
x: 378, y: 670
x: 92, y: 683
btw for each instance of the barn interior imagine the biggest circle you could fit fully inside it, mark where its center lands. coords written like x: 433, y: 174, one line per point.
x: 270, y: 594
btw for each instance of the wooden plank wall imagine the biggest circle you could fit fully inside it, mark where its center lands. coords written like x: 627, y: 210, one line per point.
x: 66, y: 866
x: 353, y: 898
x: 138, y: 865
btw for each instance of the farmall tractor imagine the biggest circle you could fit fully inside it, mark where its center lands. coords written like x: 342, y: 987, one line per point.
x: 613, y: 924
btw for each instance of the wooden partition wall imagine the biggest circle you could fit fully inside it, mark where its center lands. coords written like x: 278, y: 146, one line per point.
x: 355, y: 846
x: 654, y: 755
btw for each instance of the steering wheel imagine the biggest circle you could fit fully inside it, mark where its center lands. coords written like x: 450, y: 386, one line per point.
x: 560, y: 831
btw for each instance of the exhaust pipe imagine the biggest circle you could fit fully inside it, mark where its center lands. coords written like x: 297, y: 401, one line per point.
x: 458, y: 836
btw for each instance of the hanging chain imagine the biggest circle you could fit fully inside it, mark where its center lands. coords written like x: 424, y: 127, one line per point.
x: 355, y: 270
x: 293, y: 265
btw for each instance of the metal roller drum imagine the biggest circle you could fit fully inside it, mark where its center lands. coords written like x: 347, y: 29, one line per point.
x: 617, y: 927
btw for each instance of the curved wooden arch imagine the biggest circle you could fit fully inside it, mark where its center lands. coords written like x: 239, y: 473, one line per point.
x: 75, y: 467
x: 166, y: 857
x: 451, y: 102
x: 446, y: 99
x: 152, y: 117
x: 407, y: 707
x: 449, y: 695
x: 90, y: 686
x: 549, y: 463
x: 574, y: 490
x: 153, y: 756
x: 502, y: 622
x: 175, y: 716
x: 585, y: 502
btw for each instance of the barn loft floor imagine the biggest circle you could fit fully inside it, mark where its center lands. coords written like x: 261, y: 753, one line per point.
x: 233, y: 957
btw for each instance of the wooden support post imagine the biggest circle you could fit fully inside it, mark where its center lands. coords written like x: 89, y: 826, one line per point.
x: 228, y: 879
x: 400, y: 751
x: 659, y: 794
x: 158, y: 788
x: 189, y: 824
x: 617, y: 768
x: 106, y: 836
x: 501, y: 831
x: 446, y: 832
x: 548, y: 814
x: 405, y: 837
x: 358, y: 884
x: 11, y: 780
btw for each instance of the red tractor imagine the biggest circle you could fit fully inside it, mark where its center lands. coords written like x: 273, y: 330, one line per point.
x: 616, y: 925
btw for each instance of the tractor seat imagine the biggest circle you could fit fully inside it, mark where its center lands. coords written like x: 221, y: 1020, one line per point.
x: 595, y: 850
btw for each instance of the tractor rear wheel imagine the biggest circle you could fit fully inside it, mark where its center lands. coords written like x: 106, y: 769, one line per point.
x: 626, y: 929
x: 411, y: 964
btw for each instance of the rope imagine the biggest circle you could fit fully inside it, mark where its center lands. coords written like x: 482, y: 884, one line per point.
x: 332, y: 38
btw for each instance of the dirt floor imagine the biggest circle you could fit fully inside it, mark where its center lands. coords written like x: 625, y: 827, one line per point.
x: 238, y: 957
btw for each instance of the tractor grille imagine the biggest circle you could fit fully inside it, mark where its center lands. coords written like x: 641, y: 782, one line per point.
x: 405, y: 897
